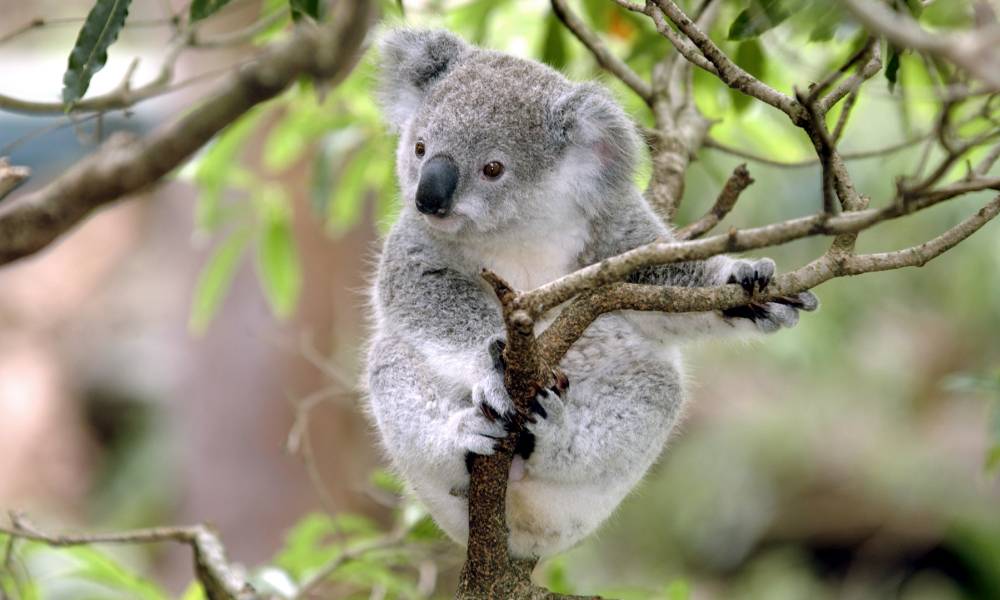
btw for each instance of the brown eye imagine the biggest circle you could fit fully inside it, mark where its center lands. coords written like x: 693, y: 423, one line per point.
x: 493, y: 170
x: 419, y: 150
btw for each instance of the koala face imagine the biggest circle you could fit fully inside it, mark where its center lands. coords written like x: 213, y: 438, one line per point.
x: 489, y: 141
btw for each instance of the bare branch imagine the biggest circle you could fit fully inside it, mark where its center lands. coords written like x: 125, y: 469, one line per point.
x: 714, y: 144
x: 123, y: 166
x: 976, y: 51
x: 542, y: 299
x: 682, y: 45
x: 737, y: 182
x: 124, y: 96
x: 604, y: 56
x: 220, y: 580
x: 574, y: 319
x: 728, y: 71
x: 313, y: 583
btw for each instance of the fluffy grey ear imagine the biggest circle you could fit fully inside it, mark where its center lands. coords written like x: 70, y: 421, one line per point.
x: 591, y: 124
x: 411, y: 61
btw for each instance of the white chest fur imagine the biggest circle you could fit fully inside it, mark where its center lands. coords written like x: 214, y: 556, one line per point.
x: 536, y: 256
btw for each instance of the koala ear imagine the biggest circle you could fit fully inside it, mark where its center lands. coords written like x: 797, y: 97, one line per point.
x: 587, y: 119
x: 412, y: 60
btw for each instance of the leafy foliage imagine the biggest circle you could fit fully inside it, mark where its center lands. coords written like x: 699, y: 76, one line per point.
x: 758, y: 17
x: 100, y: 29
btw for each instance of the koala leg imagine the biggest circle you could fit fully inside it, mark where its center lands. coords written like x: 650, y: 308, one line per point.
x: 591, y: 446
x: 428, y: 428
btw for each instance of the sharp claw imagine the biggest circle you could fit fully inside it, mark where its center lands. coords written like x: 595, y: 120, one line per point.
x: 561, y: 382
x: 488, y: 412
x: 537, y: 408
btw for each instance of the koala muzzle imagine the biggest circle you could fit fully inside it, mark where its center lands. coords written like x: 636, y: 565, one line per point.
x: 438, y: 180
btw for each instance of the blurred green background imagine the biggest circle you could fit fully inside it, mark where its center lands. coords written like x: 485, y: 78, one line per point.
x: 152, y: 365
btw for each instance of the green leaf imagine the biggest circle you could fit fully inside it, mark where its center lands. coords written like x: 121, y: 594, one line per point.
x: 216, y: 167
x: 306, y: 8
x: 749, y: 56
x: 892, y: 67
x: 215, y: 280
x: 90, y: 53
x: 95, y: 566
x: 554, y: 51
x: 277, y: 257
x: 757, y: 18
x: 356, y: 178
x: 201, y: 9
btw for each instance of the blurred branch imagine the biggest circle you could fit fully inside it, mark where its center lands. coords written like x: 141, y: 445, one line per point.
x: 220, y: 580
x: 123, y: 166
x: 124, y: 95
x: 11, y: 176
x: 40, y: 22
x: 976, y: 52
x: 313, y: 583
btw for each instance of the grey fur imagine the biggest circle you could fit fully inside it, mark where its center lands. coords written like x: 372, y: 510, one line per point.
x: 565, y: 200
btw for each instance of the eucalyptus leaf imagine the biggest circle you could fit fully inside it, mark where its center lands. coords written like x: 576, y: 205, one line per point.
x: 277, y: 256
x: 90, y: 53
x: 215, y: 279
x: 758, y: 17
x: 749, y: 56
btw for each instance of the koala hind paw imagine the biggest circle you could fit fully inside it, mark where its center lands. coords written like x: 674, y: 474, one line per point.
x: 752, y: 274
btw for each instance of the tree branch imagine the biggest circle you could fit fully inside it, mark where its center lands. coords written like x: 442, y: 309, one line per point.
x: 737, y: 182
x: 123, y: 166
x: 599, y: 299
x: 604, y: 56
x: 728, y: 71
x: 11, y: 176
x: 976, y: 51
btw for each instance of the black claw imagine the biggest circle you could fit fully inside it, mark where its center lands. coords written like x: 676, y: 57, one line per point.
x: 488, y: 412
x: 561, y: 382
x: 537, y: 408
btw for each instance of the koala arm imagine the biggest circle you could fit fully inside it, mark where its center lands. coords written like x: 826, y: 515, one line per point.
x: 641, y: 226
x: 449, y: 316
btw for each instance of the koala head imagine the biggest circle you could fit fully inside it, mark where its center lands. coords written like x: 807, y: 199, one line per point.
x: 490, y: 142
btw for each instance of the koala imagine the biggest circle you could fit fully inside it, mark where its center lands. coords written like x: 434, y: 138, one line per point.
x: 505, y: 164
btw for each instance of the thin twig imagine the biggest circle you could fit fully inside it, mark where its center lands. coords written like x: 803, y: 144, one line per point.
x: 604, y: 56
x: 737, y: 182
x: 220, y: 580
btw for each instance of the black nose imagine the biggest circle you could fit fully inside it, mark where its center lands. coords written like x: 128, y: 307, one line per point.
x: 438, y: 180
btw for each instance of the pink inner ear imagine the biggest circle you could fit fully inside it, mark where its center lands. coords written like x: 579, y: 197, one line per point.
x: 604, y: 151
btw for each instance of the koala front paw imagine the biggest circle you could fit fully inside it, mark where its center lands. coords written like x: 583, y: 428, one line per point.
x: 474, y: 432
x: 782, y: 311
